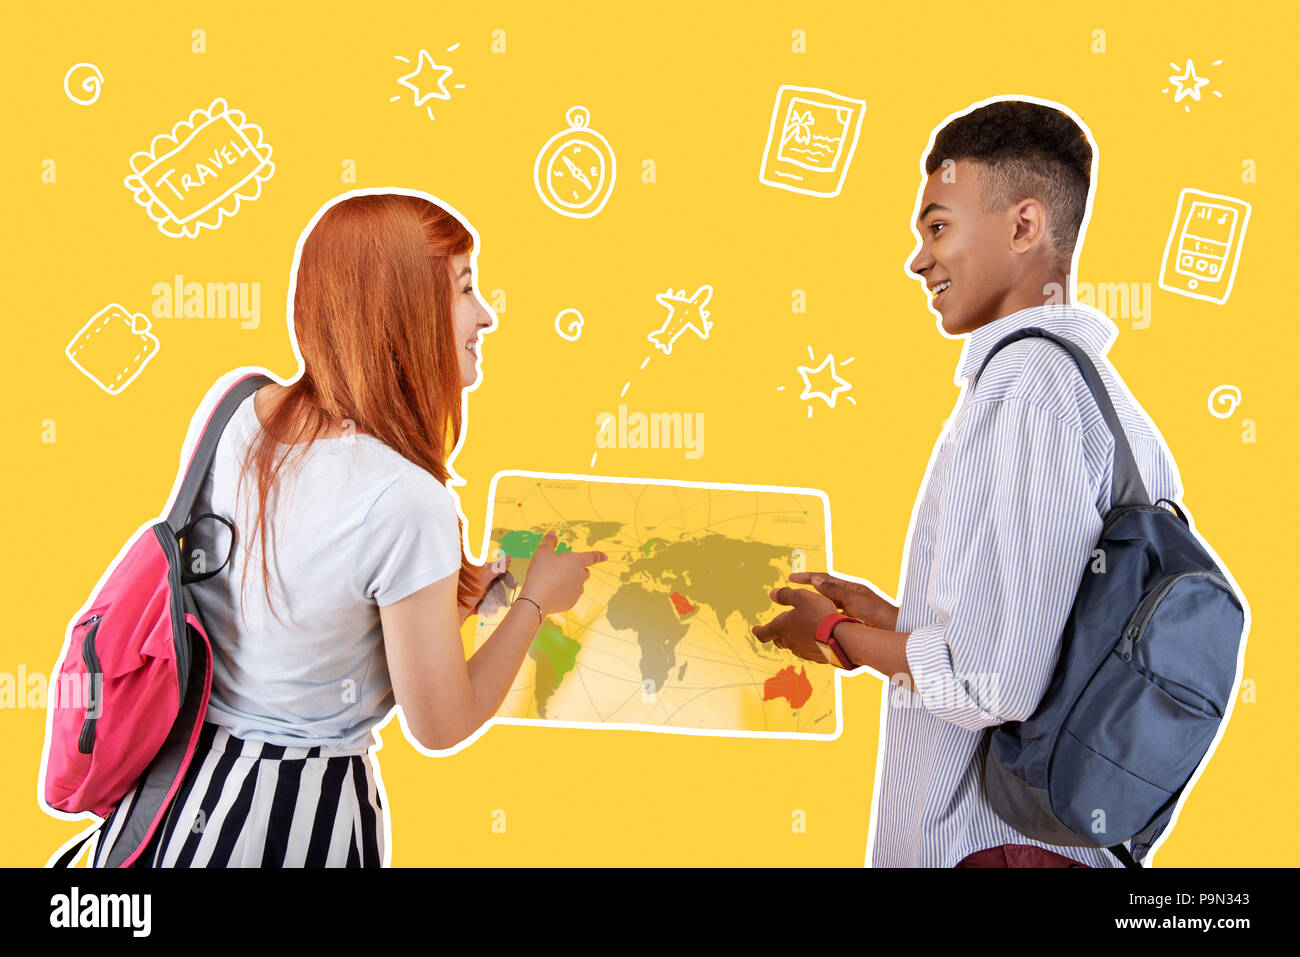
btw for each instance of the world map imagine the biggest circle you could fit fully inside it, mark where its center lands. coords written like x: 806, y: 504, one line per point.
x: 661, y: 637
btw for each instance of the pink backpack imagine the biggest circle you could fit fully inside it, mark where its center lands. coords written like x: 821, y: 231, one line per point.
x: 132, y: 684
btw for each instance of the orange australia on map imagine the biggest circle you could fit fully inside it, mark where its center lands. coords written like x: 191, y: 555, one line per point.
x: 795, y: 688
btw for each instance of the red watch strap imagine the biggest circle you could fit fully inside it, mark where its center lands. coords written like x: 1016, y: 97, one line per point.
x: 824, y: 635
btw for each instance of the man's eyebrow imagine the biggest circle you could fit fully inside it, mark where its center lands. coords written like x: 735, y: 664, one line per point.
x: 933, y: 207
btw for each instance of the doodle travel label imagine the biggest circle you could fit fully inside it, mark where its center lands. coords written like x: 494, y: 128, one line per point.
x: 197, y: 175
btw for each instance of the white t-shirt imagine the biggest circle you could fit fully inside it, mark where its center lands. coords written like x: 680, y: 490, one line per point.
x: 357, y: 526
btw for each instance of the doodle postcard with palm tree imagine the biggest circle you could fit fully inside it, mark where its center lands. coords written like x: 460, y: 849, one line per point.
x: 811, y: 140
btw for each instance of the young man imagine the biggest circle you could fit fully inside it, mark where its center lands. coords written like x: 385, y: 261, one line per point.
x: 1013, y: 499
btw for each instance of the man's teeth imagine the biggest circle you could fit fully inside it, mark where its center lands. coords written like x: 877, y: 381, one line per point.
x: 941, y: 287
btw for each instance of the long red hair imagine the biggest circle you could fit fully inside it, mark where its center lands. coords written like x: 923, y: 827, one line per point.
x: 372, y: 314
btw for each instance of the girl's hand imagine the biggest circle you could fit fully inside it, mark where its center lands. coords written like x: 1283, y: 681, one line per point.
x: 556, y: 579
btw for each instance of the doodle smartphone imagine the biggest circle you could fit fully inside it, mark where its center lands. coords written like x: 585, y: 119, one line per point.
x: 1204, y: 245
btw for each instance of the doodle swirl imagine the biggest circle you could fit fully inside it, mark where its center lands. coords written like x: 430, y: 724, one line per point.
x: 1226, y: 398
x: 90, y: 82
x: 571, y: 329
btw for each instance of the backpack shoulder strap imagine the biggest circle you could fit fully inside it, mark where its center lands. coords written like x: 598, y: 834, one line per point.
x: 206, y: 447
x: 1126, y: 487
x: 1125, y: 858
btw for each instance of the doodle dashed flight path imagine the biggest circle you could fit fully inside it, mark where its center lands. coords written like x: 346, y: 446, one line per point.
x: 661, y: 637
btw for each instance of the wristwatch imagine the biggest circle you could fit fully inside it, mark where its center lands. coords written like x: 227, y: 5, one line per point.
x: 830, y: 648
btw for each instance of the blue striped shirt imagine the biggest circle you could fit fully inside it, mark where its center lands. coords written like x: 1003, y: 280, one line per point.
x: 1001, y: 533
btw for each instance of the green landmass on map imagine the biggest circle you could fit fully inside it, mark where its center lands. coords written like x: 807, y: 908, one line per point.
x: 555, y: 654
x: 523, y: 543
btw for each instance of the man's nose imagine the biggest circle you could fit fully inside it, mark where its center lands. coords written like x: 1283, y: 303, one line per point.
x: 920, y: 262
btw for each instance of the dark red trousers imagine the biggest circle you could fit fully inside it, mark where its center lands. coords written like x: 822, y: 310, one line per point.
x: 1018, y: 855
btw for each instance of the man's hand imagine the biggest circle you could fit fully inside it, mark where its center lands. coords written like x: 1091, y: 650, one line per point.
x: 487, y: 588
x: 795, y: 630
x: 853, y: 599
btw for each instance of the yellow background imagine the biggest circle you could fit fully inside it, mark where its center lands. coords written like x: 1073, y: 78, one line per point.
x: 691, y: 86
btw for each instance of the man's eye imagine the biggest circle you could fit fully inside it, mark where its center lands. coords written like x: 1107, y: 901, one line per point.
x: 935, y: 227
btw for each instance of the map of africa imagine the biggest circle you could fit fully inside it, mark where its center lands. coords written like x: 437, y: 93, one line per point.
x: 661, y: 637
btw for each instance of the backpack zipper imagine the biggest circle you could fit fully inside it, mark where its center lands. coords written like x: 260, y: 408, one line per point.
x: 86, y: 740
x: 180, y: 635
x: 1137, y: 625
x: 1115, y: 514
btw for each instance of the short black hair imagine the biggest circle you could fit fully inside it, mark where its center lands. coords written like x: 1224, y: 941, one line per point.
x: 1025, y: 150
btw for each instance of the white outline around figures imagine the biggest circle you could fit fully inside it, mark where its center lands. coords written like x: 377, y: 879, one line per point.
x: 886, y: 687
x: 668, y: 335
x: 197, y: 421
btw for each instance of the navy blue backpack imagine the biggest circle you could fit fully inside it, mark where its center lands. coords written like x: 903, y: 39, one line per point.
x: 1148, y: 665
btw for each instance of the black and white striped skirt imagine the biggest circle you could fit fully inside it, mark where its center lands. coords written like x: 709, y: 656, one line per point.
x: 251, y: 804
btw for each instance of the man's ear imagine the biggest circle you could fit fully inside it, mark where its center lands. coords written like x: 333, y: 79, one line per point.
x: 1029, y: 225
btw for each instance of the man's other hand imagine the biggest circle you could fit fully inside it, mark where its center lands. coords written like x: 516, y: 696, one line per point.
x: 795, y: 630
x: 852, y: 598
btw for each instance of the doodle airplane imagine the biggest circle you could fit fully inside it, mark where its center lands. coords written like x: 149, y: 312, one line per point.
x: 683, y: 314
